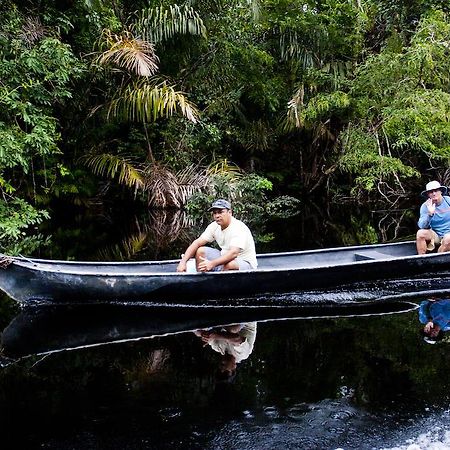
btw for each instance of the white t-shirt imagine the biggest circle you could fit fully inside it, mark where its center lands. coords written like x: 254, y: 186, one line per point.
x: 239, y: 351
x: 236, y: 234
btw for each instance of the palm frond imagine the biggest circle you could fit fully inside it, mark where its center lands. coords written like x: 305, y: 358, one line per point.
x: 292, y: 47
x: 110, y: 166
x: 191, y: 179
x: 133, y: 54
x: 146, y: 102
x: 293, y: 118
x: 164, y: 188
x: 162, y: 22
x: 161, y: 186
x: 256, y: 136
x: 255, y: 9
x: 224, y: 167
x: 225, y: 101
x: 127, y: 249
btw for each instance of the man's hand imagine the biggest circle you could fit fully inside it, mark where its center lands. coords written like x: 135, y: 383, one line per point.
x: 431, y: 206
x: 205, y: 265
x: 207, y: 336
x: 428, y: 327
x: 181, y: 266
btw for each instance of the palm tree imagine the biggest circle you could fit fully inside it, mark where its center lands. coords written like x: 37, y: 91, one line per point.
x: 144, y: 97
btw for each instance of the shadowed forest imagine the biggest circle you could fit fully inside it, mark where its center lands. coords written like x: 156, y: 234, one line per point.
x: 167, y: 105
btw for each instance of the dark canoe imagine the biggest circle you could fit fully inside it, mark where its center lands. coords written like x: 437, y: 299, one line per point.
x: 338, y: 269
x: 52, y: 328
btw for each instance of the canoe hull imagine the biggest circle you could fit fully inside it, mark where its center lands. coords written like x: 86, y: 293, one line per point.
x: 39, y: 280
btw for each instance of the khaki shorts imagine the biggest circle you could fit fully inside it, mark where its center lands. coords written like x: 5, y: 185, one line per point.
x: 435, y: 241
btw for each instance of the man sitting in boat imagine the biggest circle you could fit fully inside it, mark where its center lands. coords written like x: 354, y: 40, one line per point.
x: 434, y: 221
x: 233, y: 237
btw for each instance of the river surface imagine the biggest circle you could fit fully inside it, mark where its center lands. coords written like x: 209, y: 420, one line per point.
x: 118, y: 377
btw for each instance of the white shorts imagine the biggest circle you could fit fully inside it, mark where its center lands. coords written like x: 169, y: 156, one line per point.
x: 213, y: 253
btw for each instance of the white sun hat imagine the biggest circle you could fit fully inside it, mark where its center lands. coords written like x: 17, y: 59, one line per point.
x: 432, y: 185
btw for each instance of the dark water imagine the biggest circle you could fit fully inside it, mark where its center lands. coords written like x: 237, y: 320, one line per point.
x: 359, y: 378
x: 348, y: 382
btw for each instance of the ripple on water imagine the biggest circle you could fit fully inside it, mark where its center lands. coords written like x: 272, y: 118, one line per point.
x: 435, y: 438
x: 272, y: 412
x: 328, y: 424
x: 168, y: 414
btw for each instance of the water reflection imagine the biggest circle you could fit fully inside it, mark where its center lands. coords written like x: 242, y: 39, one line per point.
x: 49, y: 328
x: 348, y: 383
x: 434, y: 313
x: 234, y: 342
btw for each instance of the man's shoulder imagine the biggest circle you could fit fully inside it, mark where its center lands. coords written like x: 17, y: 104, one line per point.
x: 211, y: 228
x: 446, y: 201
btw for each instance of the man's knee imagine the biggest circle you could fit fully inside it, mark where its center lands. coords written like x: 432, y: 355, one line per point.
x: 201, y: 251
x: 231, y: 265
x: 423, y: 234
x: 445, y: 242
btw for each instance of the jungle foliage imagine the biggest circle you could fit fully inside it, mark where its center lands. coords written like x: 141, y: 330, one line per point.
x: 106, y: 100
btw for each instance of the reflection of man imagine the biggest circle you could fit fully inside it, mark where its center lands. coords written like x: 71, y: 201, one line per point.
x: 435, y: 315
x: 234, y: 342
x: 233, y: 237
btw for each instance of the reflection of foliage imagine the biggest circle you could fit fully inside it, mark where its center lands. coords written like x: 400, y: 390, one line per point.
x: 381, y: 359
x: 126, y: 250
x: 8, y: 308
x: 152, y: 236
x: 359, y: 231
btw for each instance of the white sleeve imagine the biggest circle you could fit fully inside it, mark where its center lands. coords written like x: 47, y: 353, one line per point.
x: 208, y: 234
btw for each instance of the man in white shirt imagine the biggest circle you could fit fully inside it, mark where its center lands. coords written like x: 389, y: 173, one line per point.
x: 233, y: 237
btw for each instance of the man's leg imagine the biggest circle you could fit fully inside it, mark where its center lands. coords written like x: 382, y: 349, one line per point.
x: 207, y: 253
x: 423, y: 239
x: 232, y: 265
x: 445, y: 243
x: 238, y: 264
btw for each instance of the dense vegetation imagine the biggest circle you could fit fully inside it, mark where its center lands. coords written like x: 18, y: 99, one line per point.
x: 171, y: 103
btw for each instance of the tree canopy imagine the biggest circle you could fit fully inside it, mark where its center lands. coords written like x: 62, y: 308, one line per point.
x: 350, y: 98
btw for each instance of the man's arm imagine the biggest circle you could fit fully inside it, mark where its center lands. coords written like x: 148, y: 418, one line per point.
x: 426, y: 213
x: 190, y: 253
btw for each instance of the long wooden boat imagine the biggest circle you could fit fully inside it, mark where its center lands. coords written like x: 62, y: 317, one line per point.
x: 394, y: 267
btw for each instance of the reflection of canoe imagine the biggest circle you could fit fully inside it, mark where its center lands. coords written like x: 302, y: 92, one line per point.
x: 49, y: 328
x: 61, y: 281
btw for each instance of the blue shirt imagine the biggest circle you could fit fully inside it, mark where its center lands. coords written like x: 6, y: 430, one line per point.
x: 439, y: 222
x: 438, y: 312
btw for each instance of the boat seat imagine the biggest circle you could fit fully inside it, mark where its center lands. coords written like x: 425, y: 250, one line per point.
x: 370, y: 255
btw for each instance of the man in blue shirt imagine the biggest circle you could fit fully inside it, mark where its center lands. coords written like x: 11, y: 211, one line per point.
x: 434, y: 221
